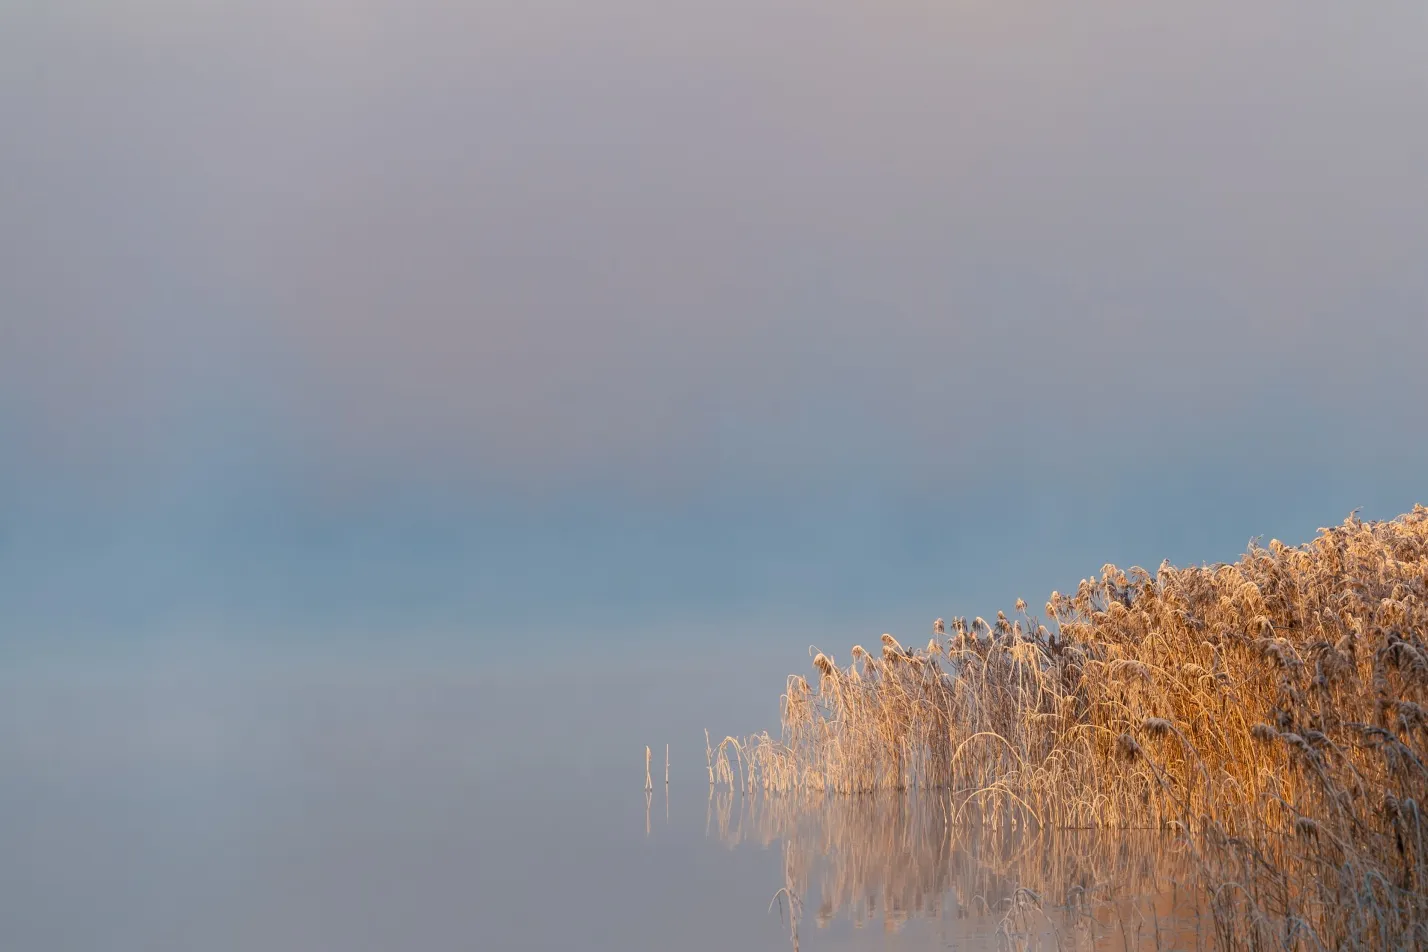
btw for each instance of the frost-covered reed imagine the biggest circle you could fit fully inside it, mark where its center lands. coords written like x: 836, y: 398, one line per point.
x: 1272, y: 712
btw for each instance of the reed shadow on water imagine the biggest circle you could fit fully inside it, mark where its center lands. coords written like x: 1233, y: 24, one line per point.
x: 893, y: 861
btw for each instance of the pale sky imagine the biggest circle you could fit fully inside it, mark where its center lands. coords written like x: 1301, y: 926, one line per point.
x: 475, y: 312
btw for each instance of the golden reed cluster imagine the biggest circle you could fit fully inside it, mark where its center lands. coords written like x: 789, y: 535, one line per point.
x: 1272, y: 714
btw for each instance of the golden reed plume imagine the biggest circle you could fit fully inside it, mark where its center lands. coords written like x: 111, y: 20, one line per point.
x: 1272, y: 713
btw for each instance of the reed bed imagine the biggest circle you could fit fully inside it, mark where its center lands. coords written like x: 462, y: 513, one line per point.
x: 1269, y: 713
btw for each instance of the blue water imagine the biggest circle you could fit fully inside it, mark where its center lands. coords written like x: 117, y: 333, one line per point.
x: 367, y: 806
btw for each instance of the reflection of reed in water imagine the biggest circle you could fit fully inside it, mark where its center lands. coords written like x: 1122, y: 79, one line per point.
x: 893, y: 858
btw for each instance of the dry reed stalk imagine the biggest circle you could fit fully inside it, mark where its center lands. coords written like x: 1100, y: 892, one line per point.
x: 649, y: 784
x: 1273, y: 709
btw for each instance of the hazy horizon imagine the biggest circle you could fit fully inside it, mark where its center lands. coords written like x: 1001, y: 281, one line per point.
x: 553, y: 316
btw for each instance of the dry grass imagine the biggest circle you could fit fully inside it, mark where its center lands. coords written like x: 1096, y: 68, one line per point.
x: 1271, y: 713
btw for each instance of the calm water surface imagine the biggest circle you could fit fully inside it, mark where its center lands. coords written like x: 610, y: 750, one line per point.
x: 372, y: 807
